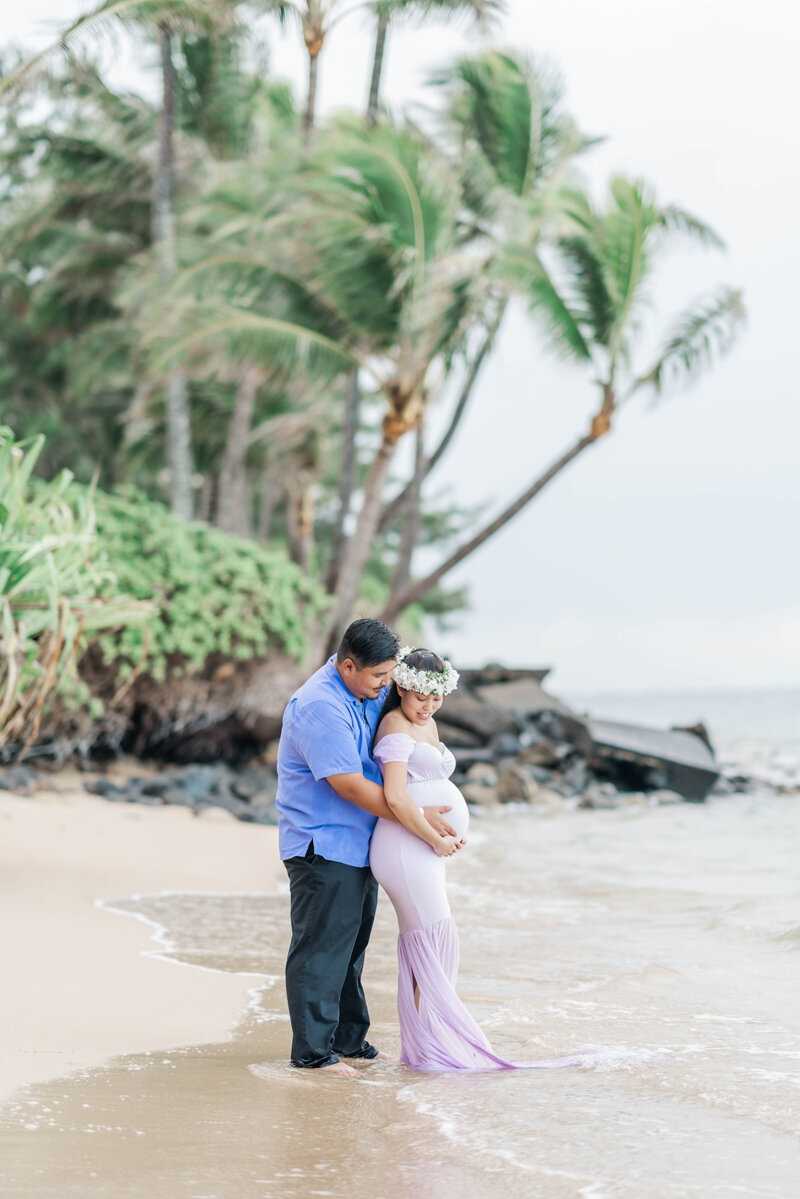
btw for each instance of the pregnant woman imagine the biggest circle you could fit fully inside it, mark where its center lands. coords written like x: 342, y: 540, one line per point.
x: 408, y: 860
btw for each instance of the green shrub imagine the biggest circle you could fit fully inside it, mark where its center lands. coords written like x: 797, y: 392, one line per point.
x: 53, y: 599
x: 214, y: 594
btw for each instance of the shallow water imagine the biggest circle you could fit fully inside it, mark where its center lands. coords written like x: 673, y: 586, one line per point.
x: 669, y: 936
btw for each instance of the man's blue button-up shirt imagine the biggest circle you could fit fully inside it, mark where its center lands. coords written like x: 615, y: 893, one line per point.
x: 326, y: 731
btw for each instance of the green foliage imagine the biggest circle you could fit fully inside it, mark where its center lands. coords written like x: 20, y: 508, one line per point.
x: 696, y: 338
x: 52, y: 597
x: 215, y: 594
x: 382, y: 249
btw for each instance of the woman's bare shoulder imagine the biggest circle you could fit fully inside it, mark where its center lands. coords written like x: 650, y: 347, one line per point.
x: 393, y: 722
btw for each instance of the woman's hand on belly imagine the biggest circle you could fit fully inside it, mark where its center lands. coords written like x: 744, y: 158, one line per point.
x: 435, y: 817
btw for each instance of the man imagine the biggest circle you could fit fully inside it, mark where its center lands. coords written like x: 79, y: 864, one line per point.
x: 329, y: 798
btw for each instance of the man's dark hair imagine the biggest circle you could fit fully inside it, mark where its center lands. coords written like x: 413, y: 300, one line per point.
x: 368, y: 642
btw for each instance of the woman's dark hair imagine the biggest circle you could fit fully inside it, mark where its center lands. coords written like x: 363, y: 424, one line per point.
x: 420, y: 659
x: 368, y: 642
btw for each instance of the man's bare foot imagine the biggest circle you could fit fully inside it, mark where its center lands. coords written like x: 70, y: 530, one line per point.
x: 339, y: 1068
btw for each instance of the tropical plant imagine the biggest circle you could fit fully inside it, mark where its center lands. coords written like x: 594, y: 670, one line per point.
x: 370, y: 249
x: 74, y: 215
x: 515, y: 143
x: 163, y: 19
x: 211, y: 594
x: 587, y: 291
x: 482, y: 11
x: 50, y: 601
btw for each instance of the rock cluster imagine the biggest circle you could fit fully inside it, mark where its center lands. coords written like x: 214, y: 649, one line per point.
x: 248, y: 793
x: 514, y: 743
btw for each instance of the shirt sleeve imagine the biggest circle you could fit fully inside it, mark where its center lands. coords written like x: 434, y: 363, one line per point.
x: 325, y: 738
x: 396, y: 747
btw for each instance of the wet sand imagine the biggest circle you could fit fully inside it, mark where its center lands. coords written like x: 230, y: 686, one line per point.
x: 670, y: 937
x: 79, y: 984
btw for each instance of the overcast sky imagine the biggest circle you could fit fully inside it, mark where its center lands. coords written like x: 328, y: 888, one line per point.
x: 666, y: 557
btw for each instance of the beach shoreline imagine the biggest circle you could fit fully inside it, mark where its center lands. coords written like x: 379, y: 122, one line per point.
x: 665, y: 936
x: 83, y: 986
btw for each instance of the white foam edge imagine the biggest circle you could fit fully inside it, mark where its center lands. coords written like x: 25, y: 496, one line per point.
x: 159, y: 935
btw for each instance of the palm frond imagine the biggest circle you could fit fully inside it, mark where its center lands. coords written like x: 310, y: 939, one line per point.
x: 589, y: 283
x: 625, y: 243
x: 522, y: 268
x: 678, y: 220
x: 491, y: 100
x: 706, y: 331
x: 276, y: 333
x: 178, y: 15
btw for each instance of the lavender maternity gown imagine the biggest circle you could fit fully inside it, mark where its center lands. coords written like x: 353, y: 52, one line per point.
x: 441, y: 1035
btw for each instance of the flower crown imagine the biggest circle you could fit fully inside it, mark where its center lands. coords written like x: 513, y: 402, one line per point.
x: 424, y: 682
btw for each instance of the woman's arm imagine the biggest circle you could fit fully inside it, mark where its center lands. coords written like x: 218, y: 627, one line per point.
x: 395, y: 775
x: 368, y: 795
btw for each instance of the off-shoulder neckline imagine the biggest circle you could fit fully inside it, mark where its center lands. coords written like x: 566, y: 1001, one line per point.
x: 441, y: 752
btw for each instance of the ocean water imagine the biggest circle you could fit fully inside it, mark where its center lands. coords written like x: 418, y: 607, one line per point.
x: 756, y: 732
x: 662, y: 943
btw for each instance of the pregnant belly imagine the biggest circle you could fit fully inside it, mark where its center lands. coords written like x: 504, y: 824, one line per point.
x: 442, y: 793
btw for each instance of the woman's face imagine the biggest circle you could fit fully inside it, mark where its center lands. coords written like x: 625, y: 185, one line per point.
x: 419, y: 709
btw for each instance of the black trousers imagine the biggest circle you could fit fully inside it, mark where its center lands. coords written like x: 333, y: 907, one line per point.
x: 332, y: 911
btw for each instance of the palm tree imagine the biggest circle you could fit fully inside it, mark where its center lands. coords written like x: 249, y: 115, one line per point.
x: 397, y: 187
x: 365, y: 260
x: 516, y: 144
x: 385, y: 10
x: 163, y: 18
x: 76, y: 218
x: 588, y: 293
x: 482, y: 10
x: 316, y: 18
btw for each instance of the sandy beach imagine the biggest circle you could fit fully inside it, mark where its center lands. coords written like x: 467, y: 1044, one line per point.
x: 81, y: 985
x: 661, y: 941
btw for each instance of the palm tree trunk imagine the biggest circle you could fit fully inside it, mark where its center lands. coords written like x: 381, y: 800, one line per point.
x: 381, y: 31
x: 300, y: 518
x: 179, y: 438
x: 410, y: 535
x: 293, y: 521
x: 233, y: 490
x: 396, y: 506
x: 416, y: 591
x: 266, y: 507
x: 305, y: 513
x: 311, y: 99
x: 347, y: 480
x: 360, y: 544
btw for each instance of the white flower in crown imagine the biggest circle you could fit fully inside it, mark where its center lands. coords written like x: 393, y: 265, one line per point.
x: 424, y: 682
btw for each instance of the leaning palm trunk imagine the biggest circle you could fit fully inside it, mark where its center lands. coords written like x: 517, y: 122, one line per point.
x: 233, y: 486
x: 418, y: 590
x: 267, y: 501
x: 360, y: 544
x: 177, y: 404
x: 411, y: 523
x: 424, y: 468
x: 347, y: 480
x: 300, y: 519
